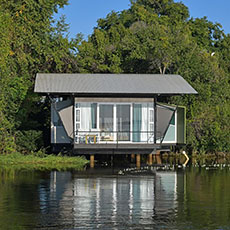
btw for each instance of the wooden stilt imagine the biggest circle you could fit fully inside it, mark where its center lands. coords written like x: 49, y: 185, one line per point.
x: 92, y: 161
x: 138, y: 160
x: 158, y: 157
x: 150, y: 159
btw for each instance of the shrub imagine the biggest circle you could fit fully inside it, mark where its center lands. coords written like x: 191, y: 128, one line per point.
x: 29, y: 141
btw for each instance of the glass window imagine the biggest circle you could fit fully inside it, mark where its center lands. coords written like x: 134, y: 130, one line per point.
x: 77, y: 126
x: 171, y: 132
x: 106, y: 122
x: 94, y: 115
x: 151, y: 119
x: 77, y: 115
x: 172, y: 122
x: 106, y: 117
x: 137, y: 122
x: 123, y: 122
x: 151, y: 127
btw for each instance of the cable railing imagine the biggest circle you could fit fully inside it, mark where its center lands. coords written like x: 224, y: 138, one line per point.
x: 114, y: 137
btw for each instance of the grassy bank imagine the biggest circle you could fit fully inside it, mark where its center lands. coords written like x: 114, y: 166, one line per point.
x: 47, y: 162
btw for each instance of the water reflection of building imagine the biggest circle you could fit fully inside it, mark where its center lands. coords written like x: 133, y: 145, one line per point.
x: 112, y: 202
x: 166, y: 185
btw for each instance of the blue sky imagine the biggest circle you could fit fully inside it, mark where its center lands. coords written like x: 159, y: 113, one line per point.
x: 82, y: 15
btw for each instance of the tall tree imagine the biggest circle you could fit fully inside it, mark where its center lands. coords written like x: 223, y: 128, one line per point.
x: 30, y: 43
x: 157, y: 36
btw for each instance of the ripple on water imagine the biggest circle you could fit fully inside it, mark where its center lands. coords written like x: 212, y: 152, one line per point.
x: 191, y: 199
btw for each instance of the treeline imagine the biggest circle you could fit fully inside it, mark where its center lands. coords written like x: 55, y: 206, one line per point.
x: 153, y: 36
x: 30, y: 42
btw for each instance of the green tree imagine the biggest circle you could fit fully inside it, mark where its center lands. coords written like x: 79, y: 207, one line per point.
x: 157, y: 36
x: 31, y: 42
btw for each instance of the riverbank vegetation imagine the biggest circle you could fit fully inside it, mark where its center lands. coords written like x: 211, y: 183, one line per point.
x: 44, y: 162
x: 152, y: 36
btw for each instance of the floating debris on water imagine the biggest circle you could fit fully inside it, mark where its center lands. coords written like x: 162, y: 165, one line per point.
x: 148, y: 169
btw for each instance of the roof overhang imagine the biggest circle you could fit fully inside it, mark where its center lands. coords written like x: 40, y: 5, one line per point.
x: 112, y: 85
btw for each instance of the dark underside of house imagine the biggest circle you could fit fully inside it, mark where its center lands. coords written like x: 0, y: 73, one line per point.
x: 83, y: 149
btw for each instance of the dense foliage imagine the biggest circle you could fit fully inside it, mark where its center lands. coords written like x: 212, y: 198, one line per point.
x: 30, y: 42
x: 153, y: 36
x: 157, y: 36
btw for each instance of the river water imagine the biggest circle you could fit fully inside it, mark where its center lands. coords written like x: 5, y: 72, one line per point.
x: 194, y: 198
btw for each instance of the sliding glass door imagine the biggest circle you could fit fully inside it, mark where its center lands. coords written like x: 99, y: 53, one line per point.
x: 137, y: 121
x: 123, y: 122
x: 106, y: 122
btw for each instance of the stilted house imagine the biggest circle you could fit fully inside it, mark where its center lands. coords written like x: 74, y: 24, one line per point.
x: 114, y: 113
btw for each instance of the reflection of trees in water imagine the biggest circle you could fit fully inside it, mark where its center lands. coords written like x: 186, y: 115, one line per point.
x: 193, y: 198
x: 63, y: 200
x: 205, y: 200
x: 174, y: 200
x: 19, y: 198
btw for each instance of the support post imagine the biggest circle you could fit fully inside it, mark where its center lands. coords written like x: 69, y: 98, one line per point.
x: 92, y: 161
x: 138, y: 160
x: 150, y: 159
x: 158, y: 157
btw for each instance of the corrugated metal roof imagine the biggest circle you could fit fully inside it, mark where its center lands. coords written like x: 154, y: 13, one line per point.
x: 143, y: 84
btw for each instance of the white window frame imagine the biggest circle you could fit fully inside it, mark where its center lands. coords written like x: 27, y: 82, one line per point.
x: 151, y: 123
x: 75, y: 117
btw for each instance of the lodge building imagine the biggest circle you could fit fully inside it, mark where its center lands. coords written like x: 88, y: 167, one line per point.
x: 114, y: 113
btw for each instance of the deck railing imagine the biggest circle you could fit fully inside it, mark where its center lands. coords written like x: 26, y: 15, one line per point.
x: 114, y: 137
